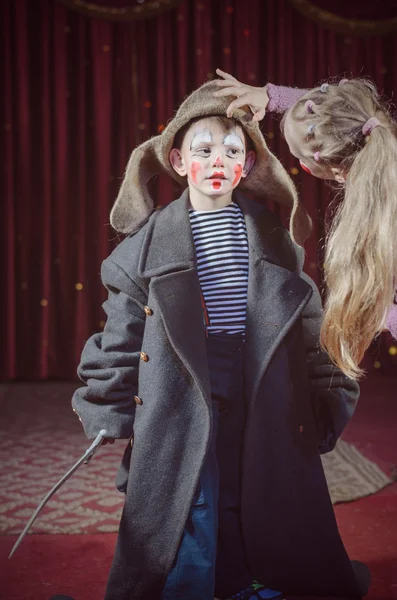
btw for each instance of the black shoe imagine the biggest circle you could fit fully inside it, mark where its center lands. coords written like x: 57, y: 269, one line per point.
x: 363, y: 576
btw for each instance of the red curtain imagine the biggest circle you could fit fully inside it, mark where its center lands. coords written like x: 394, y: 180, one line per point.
x: 79, y: 94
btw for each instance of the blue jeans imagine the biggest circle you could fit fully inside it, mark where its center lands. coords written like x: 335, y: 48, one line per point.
x: 193, y: 575
x: 211, y: 549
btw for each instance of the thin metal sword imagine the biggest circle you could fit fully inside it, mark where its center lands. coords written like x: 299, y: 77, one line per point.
x: 88, y: 454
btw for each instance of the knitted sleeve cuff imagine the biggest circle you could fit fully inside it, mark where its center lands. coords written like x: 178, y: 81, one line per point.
x: 281, y: 98
x: 391, y: 321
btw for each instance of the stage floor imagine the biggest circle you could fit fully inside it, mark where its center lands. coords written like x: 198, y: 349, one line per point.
x: 78, y: 564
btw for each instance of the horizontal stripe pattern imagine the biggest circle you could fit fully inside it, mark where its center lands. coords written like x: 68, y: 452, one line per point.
x: 220, y: 239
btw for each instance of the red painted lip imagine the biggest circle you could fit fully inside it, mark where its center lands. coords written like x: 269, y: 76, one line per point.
x: 217, y: 175
x: 305, y: 168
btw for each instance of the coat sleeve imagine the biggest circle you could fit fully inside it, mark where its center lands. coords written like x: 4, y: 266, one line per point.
x: 110, y: 359
x: 281, y: 98
x: 333, y: 395
x: 391, y: 320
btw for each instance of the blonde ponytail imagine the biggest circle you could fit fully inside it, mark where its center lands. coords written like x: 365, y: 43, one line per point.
x: 361, y: 254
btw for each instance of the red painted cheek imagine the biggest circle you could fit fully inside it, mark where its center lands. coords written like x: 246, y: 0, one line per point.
x: 305, y: 168
x: 194, y: 170
x: 238, y: 169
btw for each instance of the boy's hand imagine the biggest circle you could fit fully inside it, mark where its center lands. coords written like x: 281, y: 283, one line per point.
x: 255, y: 97
x: 107, y: 441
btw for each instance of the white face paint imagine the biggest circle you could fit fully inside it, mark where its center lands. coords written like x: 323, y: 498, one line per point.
x: 204, y: 137
x: 213, y: 160
x: 232, y: 139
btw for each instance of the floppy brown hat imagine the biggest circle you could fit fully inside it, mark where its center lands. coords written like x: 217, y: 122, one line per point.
x: 268, y: 179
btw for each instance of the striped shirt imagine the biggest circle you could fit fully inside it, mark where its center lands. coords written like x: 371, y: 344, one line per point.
x: 221, y: 242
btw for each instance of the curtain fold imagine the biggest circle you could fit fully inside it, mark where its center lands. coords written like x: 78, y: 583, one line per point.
x: 79, y: 94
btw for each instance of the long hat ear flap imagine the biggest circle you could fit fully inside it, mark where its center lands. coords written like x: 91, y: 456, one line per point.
x: 282, y: 189
x: 134, y: 204
x: 300, y: 224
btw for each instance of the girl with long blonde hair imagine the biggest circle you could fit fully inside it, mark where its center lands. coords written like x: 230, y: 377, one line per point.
x: 343, y: 131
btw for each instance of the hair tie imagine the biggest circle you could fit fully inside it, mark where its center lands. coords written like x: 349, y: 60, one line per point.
x: 309, y: 106
x: 343, y: 81
x: 370, y: 125
x: 310, y: 129
x: 316, y: 156
x: 324, y: 88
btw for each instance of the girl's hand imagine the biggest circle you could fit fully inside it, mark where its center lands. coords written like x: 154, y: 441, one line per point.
x: 255, y: 97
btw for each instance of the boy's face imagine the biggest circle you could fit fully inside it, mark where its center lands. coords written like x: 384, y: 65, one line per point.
x: 213, y: 159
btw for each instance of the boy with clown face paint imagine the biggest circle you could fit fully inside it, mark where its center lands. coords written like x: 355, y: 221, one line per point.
x: 214, y: 158
x: 209, y: 366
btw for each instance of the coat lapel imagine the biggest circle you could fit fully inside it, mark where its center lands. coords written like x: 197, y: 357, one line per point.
x: 277, y: 295
x: 168, y: 258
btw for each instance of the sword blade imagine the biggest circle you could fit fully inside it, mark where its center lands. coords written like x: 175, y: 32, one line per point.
x: 88, y: 454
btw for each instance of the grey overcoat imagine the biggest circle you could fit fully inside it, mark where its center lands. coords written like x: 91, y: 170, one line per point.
x: 153, y: 348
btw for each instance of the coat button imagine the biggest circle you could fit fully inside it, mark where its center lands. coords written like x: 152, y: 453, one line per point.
x: 300, y: 428
x: 148, y: 311
x: 138, y: 400
x: 144, y: 356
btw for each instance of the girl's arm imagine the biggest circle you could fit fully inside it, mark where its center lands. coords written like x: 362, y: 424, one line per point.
x: 281, y: 97
x: 271, y: 98
x: 391, y: 320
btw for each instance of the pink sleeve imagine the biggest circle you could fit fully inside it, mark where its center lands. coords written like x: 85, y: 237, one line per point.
x: 281, y: 98
x: 391, y: 320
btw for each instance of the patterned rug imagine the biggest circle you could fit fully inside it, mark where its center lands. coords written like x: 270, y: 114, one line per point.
x: 350, y: 475
x: 41, y: 438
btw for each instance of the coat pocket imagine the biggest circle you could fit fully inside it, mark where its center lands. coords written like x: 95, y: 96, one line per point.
x: 124, y: 469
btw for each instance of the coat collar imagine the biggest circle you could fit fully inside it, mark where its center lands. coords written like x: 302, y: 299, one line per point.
x: 169, y: 246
